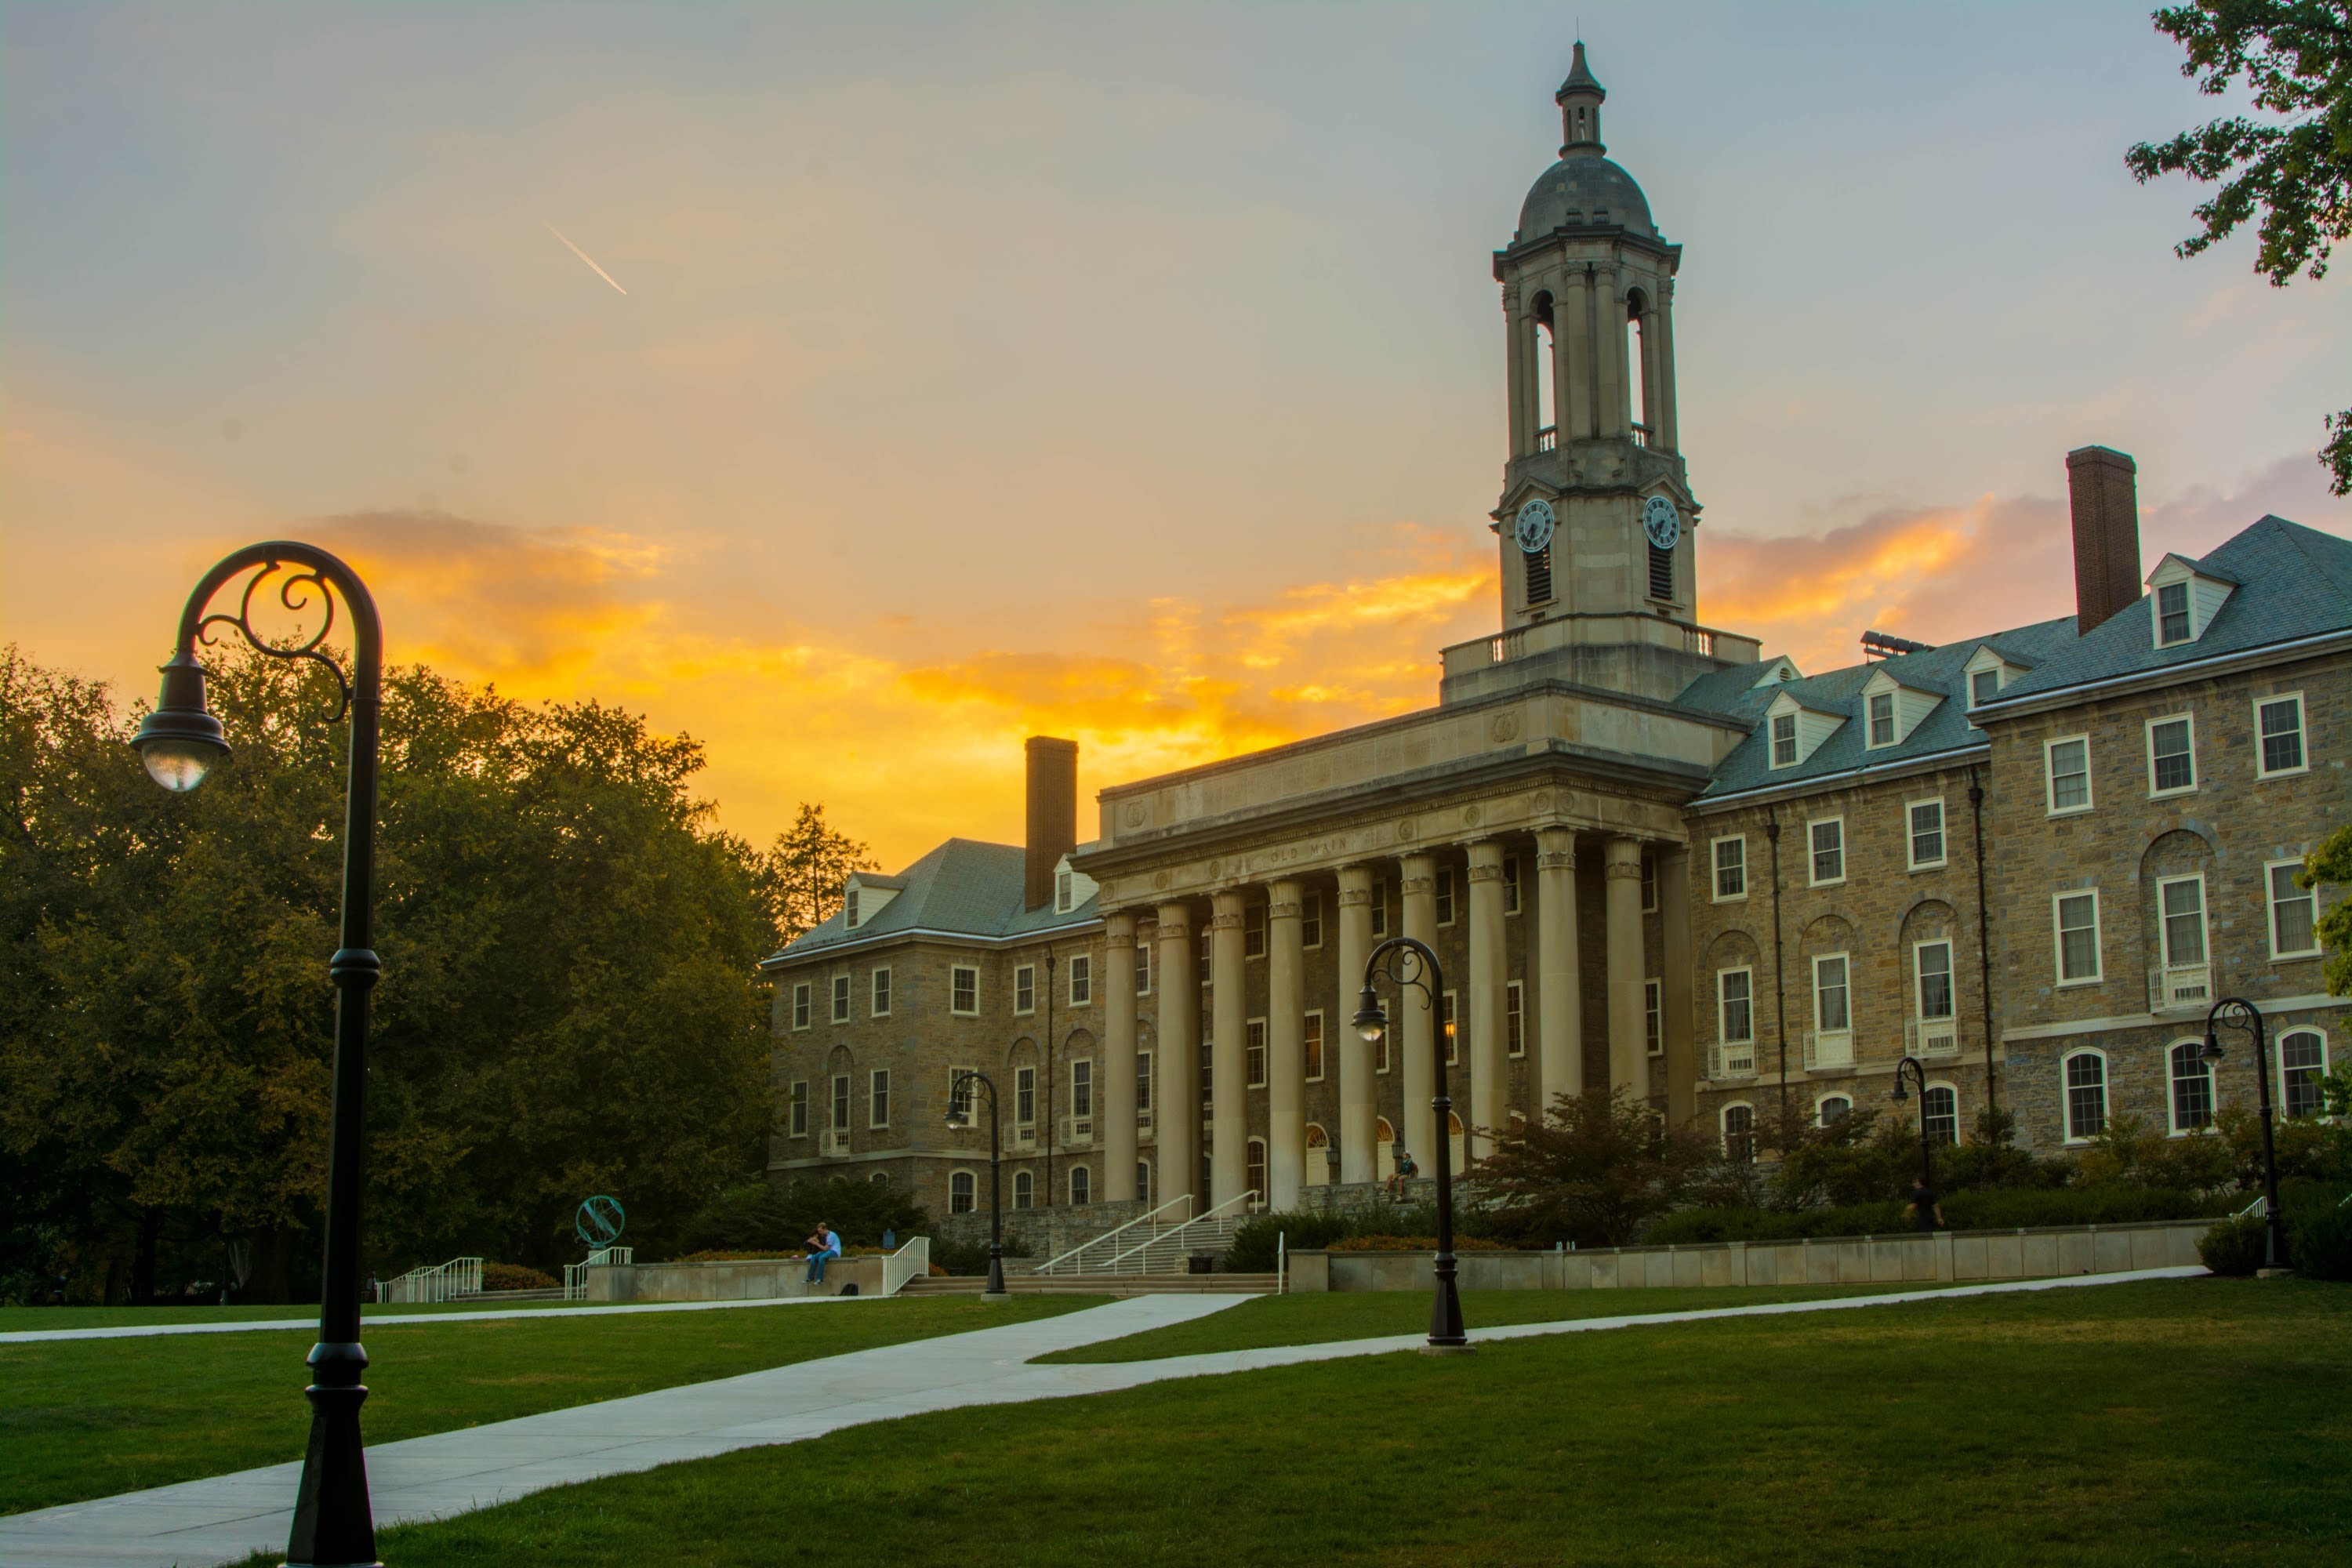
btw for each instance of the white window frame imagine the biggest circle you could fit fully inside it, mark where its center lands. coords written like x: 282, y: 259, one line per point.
x: 1948, y: 1088
x: 841, y: 998
x: 1812, y: 854
x: 877, y: 1096
x: 2107, y: 1093
x: 1814, y: 969
x: 2196, y: 1046
x: 1256, y: 1154
x: 1024, y: 990
x: 1514, y: 1018
x: 1723, y: 1033
x: 2325, y: 1056
x: 1650, y: 873
x: 1025, y: 1089
x: 1379, y: 906
x: 1258, y: 1052
x: 1976, y: 675
x: 2058, y: 938
x: 1254, y: 930
x: 2154, y: 791
x: 2164, y: 923
x: 963, y: 1186
x: 1024, y: 1189
x: 1911, y: 834
x: 1313, y: 1044
x: 1065, y: 887
x: 1773, y: 736
x: 2050, y: 776
x: 804, y: 1005
x: 1143, y: 968
x: 1512, y: 902
x: 1919, y: 982
x: 971, y: 1096
x: 879, y: 992
x: 955, y: 971
x: 1449, y: 1039
x: 1723, y: 1126
x: 1717, y: 867
x: 1821, y: 1105
x: 2302, y: 732
x: 2271, y: 901
x: 1082, y: 1086
x: 842, y: 1107
x: 1871, y: 742
x: 1654, y: 1016
x: 1310, y: 921
x: 1447, y: 907
x: 1082, y: 1186
x: 1142, y: 1080
x: 1082, y: 980
x: 2156, y: 612
x: 796, y: 1115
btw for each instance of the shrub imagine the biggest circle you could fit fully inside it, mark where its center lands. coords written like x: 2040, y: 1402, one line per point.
x: 2233, y: 1247
x: 971, y: 1256
x: 1413, y: 1244
x: 1253, y: 1240
x: 516, y: 1276
x: 1592, y: 1170
x: 759, y: 1220
x: 1852, y: 1160
x: 2319, y: 1241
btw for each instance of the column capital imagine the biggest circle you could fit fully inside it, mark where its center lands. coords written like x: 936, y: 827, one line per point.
x: 1175, y: 921
x: 1355, y: 885
x: 1618, y: 870
x: 1418, y: 871
x: 1285, y: 899
x: 1225, y: 908
x: 1623, y: 857
x: 1555, y: 849
x: 1119, y: 928
x: 1487, y: 860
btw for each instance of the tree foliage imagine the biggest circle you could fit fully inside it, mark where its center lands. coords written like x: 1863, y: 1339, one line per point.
x: 2332, y: 863
x: 2292, y: 175
x: 798, y: 880
x: 1593, y: 1170
x: 569, y: 1002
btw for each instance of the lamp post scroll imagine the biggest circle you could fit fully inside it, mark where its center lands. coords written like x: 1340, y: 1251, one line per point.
x: 1405, y: 961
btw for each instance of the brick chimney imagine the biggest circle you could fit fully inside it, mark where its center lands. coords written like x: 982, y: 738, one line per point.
x: 2104, y: 496
x: 1053, y: 814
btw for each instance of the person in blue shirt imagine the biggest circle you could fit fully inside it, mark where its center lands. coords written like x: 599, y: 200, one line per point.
x: 822, y: 1248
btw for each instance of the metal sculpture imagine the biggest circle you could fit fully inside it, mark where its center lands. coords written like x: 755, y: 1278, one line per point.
x: 598, y: 1222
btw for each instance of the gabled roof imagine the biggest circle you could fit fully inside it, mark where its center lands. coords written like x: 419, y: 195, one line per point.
x: 964, y: 887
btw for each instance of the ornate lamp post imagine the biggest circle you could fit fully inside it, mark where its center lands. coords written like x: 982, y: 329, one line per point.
x: 2241, y: 1013
x: 959, y: 1115
x: 1927, y: 1215
x: 180, y: 741
x: 1407, y: 962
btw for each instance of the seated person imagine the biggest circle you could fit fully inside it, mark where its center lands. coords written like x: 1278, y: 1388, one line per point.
x: 822, y: 1248
x: 1405, y: 1171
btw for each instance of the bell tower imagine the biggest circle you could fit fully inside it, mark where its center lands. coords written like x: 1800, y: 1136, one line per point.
x: 1596, y: 514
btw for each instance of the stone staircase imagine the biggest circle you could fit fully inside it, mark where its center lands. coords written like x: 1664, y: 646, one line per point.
x: 1152, y: 1245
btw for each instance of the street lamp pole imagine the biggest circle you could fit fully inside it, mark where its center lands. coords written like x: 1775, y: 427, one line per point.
x: 959, y: 1115
x: 2241, y: 1013
x: 1926, y: 1219
x: 179, y: 743
x: 1408, y: 962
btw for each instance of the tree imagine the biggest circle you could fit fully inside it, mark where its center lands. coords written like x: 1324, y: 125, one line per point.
x: 2331, y: 862
x: 1594, y: 1169
x: 798, y: 880
x: 2296, y: 58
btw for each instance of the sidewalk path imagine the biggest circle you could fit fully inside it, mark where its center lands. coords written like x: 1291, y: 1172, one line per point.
x: 553, y: 1313
x: 224, y: 1519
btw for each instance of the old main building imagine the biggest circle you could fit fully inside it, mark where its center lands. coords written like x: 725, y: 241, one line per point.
x: 1648, y: 858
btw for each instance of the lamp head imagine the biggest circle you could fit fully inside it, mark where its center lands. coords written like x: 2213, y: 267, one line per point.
x: 1901, y: 1092
x: 180, y: 740
x: 2212, y: 1051
x: 1371, y: 1021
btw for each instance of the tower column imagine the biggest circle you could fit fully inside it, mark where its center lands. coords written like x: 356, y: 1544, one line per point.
x: 1518, y: 333
x: 1629, y: 1056
x: 1668, y: 435
x: 1576, y: 392
x: 1115, y: 1096
x: 1359, y: 1159
x: 1559, y: 1038
x: 1418, y: 1071
x: 1229, y: 1049
x: 1609, y: 331
x: 1489, y: 1005
x: 1176, y: 1121
x: 1286, y: 1045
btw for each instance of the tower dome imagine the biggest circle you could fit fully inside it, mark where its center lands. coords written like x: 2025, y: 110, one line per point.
x: 1584, y: 187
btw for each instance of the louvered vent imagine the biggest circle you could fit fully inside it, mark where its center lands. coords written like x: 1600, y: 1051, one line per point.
x: 1539, y: 576
x: 1662, y: 574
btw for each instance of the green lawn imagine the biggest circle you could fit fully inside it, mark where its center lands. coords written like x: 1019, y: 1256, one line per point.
x: 2164, y: 1422
x: 1371, y: 1314
x: 91, y: 1417
x: 16, y: 1320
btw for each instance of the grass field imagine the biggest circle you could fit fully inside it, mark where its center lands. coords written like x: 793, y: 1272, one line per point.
x: 88, y: 1418
x: 2165, y: 1422
x: 1372, y: 1314
x: 16, y: 1320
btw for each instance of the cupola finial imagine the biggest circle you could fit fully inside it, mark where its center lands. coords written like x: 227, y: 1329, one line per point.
x: 1579, y: 98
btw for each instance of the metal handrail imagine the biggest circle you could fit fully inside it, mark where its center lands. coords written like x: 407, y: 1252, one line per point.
x: 913, y: 1261
x: 1050, y: 1264
x: 1243, y: 1197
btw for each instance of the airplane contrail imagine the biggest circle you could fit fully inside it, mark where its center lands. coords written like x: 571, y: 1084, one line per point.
x: 583, y: 254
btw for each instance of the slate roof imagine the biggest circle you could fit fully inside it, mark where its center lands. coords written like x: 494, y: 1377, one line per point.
x: 963, y: 886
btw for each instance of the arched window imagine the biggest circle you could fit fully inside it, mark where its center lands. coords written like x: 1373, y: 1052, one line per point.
x: 1383, y: 1147
x: 2086, y: 1096
x: 1941, y: 1108
x: 1025, y: 1190
x: 2303, y: 1062
x: 1257, y: 1176
x: 1082, y: 1186
x: 1832, y: 1109
x: 959, y: 1191
x: 1739, y: 1134
x: 880, y: 1178
x: 1319, y: 1172
x: 1547, y: 372
x: 2192, y: 1087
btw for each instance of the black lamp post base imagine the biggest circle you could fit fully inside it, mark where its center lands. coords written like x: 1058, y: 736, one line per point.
x: 1449, y: 1350
x: 996, y: 1295
x: 2274, y: 1273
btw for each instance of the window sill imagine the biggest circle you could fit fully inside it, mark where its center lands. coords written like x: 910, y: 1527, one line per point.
x: 1833, y: 882
x: 961, y: 1013
x: 2068, y: 810
x: 2261, y: 777
x: 1729, y: 898
x: 2305, y: 956
x: 2172, y: 794
x: 2078, y: 984
x: 1931, y: 866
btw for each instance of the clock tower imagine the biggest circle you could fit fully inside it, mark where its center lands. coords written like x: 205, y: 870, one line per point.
x: 1596, y: 514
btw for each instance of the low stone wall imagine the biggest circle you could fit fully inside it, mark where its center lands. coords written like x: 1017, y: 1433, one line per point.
x: 1900, y: 1260
x: 742, y: 1279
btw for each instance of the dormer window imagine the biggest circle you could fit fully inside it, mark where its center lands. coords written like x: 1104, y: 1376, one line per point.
x: 2183, y: 598
x: 1784, y: 740
x: 1062, y: 893
x: 1984, y: 685
x: 1882, y: 720
x: 849, y: 909
x: 1795, y: 731
x: 1891, y: 710
x: 2172, y: 614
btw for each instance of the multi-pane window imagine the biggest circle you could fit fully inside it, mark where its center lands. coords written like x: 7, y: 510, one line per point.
x: 1739, y: 1134
x: 960, y: 1096
x: 1253, y: 932
x: 2086, y: 1095
x: 1025, y: 1096
x: 1143, y: 1080
x: 1082, y: 980
x: 1445, y: 1023
x: 2172, y: 614
x: 1310, y: 1036
x: 1784, y: 740
x: 1832, y: 1000
x: 1445, y: 895
x: 2069, y: 764
x: 1025, y: 988
x: 2077, y: 918
x: 1734, y: 1005
x: 1827, y: 843
x: 1926, y: 821
x: 1024, y: 1189
x: 1082, y: 1088
x: 877, y: 1108
x: 1649, y: 884
x: 1939, y: 1109
x: 2192, y: 1085
x: 2294, y: 910
x: 1143, y: 1181
x: 1834, y: 1109
x: 1379, y: 908
x: 1984, y: 685
x: 961, y: 1186
x: 849, y: 909
x: 2303, y: 1062
x: 1256, y: 1175
x: 2279, y: 720
x: 841, y: 998
x: 1934, y: 967
x: 1143, y: 969
x: 2181, y: 900
x: 1514, y: 1007
x: 800, y: 1005
x: 1256, y: 1036
x: 1082, y: 1186
x: 2171, y: 756
x: 882, y: 993
x: 964, y: 989
x: 1510, y: 884
x: 840, y: 1100
x: 1882, y: 718
x: 1310, y: 920
x: 800, y: 1108
x: 1653, y: 1016
x: 1731, y: 868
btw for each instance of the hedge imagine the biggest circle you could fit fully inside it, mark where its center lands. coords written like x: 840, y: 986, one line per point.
x: 516, y: 1276
x: 1997, y: 1209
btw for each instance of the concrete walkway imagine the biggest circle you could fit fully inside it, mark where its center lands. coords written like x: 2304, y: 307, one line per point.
x: 226, y: 1518
x: 371, y: 1321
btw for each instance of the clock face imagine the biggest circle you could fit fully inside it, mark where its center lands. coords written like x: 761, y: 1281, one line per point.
x: 1661, y: 521
x: 1533, y: 529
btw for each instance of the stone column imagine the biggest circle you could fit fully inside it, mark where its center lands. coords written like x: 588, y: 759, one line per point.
x: 1609, y: 330
x: 1560, y: 999
x: 1489, y: 1042
x: 1286, y: 1045
x: 1176, y: 1071
x: 1574, y: 391
x: 1668, y: 435
x: 1675, y: 980
x: 1115, y: 1092
x: 1416, y: 1030
x: 1229, y: 1049
x: 1629, y: 1056
x: 1650, y: 400
x: 1518, y: 341
x: 1358, y: 1160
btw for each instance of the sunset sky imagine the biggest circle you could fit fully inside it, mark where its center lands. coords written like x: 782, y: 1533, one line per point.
x: 861, y: 389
